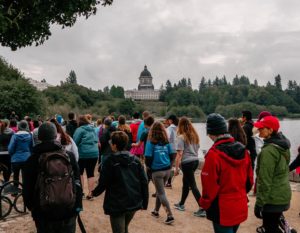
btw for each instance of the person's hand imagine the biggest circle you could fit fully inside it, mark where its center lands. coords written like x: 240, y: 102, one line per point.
x: 176, y: 172
x: 133, y: 144
x: 258, y: 211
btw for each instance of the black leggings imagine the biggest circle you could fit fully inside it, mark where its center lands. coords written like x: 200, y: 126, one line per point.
x: 5, y: 160
x: 188, y: 179
x: 271, y: 222
x: 89, y: 166
x: 17, y: 167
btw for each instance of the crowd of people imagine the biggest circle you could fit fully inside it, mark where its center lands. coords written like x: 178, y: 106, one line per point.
x: 54, y: 155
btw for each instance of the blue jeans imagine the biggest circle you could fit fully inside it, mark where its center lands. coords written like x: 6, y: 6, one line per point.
x: 224, y: 229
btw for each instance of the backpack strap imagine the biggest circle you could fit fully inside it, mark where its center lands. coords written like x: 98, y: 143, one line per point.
x: 80, y: 223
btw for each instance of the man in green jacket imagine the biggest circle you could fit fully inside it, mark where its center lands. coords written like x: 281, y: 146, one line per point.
x: 273, y: 187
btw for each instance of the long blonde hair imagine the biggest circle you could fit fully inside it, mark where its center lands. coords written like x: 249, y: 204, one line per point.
x: 189, y: 133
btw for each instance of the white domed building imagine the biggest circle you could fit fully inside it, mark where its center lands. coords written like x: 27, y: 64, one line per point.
x: 145, y: 90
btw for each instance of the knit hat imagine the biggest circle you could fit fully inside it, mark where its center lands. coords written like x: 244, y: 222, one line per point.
x: 216, y: 124
x: 270, y: 122
x: 23, y: 126
x: 47, y: 132
x: 263, y: 114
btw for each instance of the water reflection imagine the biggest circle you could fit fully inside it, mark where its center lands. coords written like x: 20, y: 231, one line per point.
x: 289, y: 127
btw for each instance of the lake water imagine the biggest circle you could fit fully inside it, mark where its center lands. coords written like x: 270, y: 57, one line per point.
x: 289, y: 127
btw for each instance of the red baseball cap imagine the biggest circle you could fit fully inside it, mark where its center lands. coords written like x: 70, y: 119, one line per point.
x: 270, y: 122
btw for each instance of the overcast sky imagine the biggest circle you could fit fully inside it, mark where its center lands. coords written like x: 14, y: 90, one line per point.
x: 175, y: 39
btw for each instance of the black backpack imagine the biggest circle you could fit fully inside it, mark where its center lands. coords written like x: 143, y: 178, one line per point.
x: 55, y: 184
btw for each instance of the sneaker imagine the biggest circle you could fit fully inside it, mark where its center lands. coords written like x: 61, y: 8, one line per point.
x: 155, y: 214
x: 168, y: 186
x: 89, y: 198
x: 200, y: 213
x: 169, y: 220
x: 179, y: 207
x: 260, y: 229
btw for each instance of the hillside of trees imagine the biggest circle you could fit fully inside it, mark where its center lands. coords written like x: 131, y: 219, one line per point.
x: 218, y: 95
x: 229, y: 99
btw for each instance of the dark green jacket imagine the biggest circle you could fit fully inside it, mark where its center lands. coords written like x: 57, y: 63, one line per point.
x: 273, y: 187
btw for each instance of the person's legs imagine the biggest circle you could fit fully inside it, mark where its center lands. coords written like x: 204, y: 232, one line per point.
x: 185, y: 184
x: 66, y: 226
x: 16, y: 170
x: 5, y: 159
x: 128, y: 218
x: 90, y: 168
x: 271, y: 222
x: 224, y: 229
x: 192, y: 181
x: 118, y: 223
x: 159, y: 179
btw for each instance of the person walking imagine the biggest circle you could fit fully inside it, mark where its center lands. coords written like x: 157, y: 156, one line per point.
x: 236, y: 131
x: 187, y: 147
x: 172, y: 122
x: 227, y: 177
x: 20, y: 148
x: 58, y: 218
x: 122, y: 126
x: 273, y: 194
x: 248, y: 127
x: 72, y: 124
x: 87, y: 143
x: 124, y: 181
x: 5, y: 135
x: 65, y: 140
x: 159, y: 157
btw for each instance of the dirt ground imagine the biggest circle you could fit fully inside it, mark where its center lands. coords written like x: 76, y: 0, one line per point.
x: 96, y: 222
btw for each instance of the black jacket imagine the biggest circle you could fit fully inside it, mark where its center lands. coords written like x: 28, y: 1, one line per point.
x: 248, y: 126
x: 71, y: 127
x: 124, y: 180
x: 31, y: 197
x: 5, y: 139
x: 104, y: 140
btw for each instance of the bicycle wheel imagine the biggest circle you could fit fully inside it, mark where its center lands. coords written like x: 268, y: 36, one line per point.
x: 5, y: 207
x: 19, y: 205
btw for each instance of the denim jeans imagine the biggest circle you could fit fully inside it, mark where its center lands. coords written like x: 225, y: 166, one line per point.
x: 224, y: 229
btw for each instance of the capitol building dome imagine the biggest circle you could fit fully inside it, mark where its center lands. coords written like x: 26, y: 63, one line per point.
x: 145, y: 90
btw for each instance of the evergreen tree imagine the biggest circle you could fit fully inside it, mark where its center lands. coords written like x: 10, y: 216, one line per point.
x: 278, y: 82
x: 72, y: 78
x: 202, y: 84
x: 255, y: 83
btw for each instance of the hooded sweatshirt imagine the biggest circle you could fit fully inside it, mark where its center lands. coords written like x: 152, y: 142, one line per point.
x: 124, y: 180
x: 273, y: 187
x: 86, y: 141
x: 20, y: 146
x: 226, y: 178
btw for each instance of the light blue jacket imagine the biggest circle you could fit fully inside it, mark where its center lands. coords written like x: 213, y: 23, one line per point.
x: 20, y: 146
x: 87, y: 142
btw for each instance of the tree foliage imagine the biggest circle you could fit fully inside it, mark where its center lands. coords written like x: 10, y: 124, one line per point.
x: 72, y: 78
x: 16, y: 94
x: 23, y: 23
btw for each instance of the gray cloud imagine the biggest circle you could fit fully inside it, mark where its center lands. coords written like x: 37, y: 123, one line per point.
x: 176, y: 39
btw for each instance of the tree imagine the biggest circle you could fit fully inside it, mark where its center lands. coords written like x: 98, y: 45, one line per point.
x: 202, y: 84
x: 117, y: 92
x: 278, y: 82
x: 255, y: 83
x: 43, y: 80
x: 72, y: 78
x: 23, y: 23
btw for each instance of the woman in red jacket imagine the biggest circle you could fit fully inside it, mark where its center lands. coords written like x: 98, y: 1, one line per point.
x: 226, y: 178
